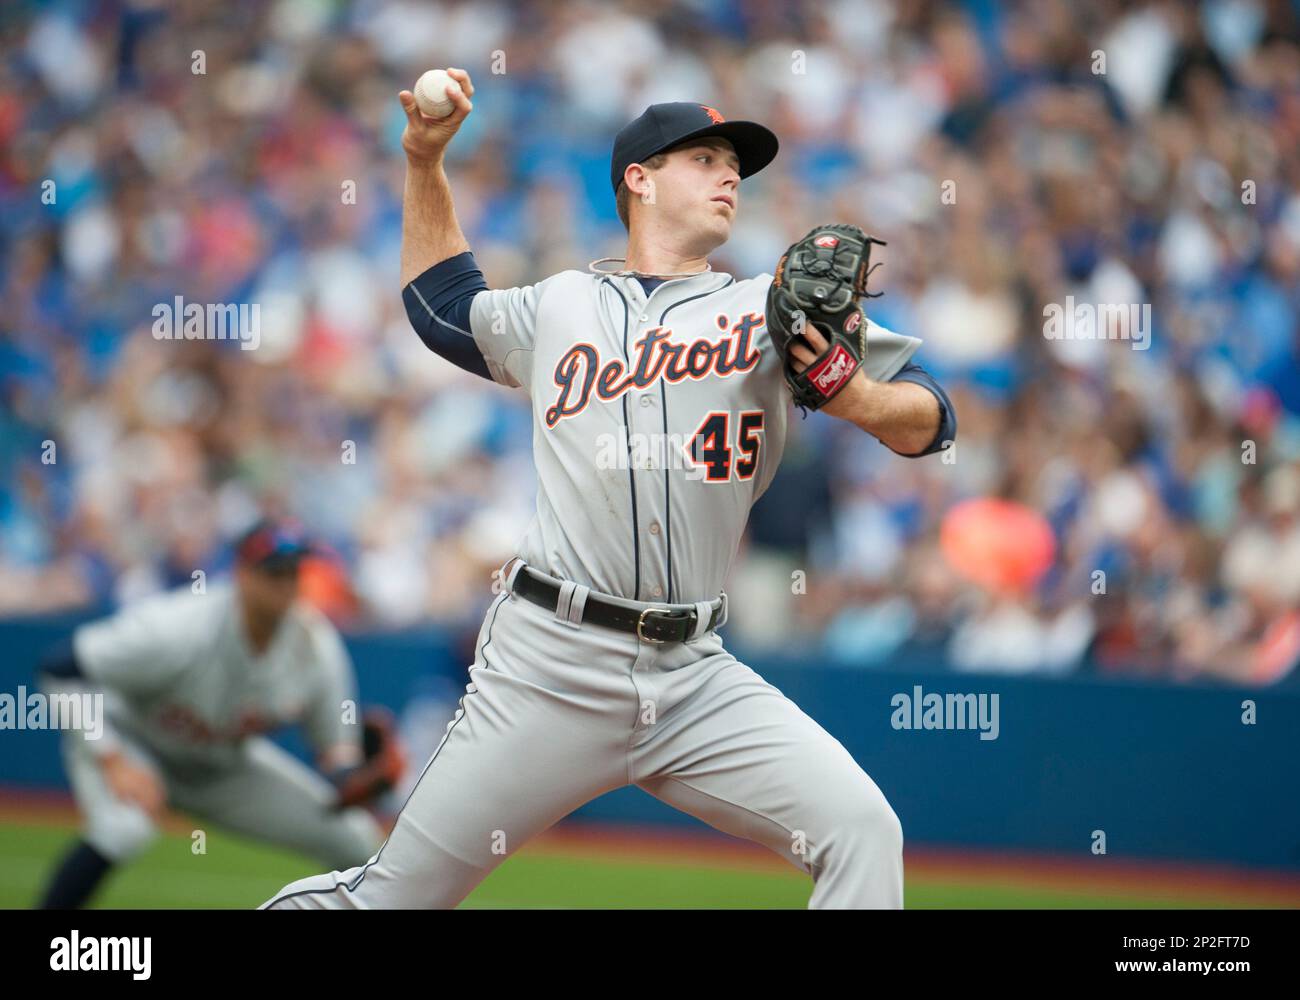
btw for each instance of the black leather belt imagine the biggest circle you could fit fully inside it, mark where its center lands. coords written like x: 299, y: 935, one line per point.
x: 649, y: 624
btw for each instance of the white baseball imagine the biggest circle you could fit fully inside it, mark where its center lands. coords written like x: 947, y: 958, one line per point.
x: 433, y: 93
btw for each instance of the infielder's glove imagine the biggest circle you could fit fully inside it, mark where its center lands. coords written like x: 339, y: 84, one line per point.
x: 385, y: 761
x: 819, y: 280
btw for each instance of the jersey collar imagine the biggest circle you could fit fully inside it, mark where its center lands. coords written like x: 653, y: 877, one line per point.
x: 702, y: 282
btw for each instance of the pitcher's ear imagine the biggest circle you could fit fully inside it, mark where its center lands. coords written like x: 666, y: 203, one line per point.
x: 635, y: 177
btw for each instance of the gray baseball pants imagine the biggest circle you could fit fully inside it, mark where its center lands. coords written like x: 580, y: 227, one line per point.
x: 556, y: 714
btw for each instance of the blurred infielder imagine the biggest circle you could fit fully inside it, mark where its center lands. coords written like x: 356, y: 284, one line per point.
x: 659, y: 396
x: 189, y: 681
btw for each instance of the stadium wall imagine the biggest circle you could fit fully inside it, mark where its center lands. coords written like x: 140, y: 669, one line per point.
x: 1166, y: 772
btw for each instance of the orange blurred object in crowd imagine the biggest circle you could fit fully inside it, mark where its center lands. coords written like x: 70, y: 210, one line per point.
x: 1278, y: 650
x: 999, y: 544
x: 323, y: 583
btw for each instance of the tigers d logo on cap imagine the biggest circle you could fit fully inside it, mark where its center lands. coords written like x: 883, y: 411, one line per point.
x: 663, y: 126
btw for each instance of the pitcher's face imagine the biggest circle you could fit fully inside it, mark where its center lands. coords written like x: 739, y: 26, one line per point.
x: 697, y: 191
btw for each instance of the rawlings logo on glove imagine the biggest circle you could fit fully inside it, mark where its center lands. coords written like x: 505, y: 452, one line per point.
x: 819, y: 280
x: 829, y: 376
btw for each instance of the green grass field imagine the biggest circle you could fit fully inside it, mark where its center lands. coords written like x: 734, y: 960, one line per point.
x: 588, y: 872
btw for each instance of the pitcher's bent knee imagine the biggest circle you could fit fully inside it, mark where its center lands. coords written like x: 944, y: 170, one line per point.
x: 881, y: 827
x: 865, y: 819
x: 860, y: 863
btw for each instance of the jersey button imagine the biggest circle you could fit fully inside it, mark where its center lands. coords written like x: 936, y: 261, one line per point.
x: 654, y: 527
x: 657, y: 591
x: 646, y: 400
x: 644, y: 318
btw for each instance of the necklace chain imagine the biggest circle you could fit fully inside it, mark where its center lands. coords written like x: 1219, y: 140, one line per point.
x: 594, y: 268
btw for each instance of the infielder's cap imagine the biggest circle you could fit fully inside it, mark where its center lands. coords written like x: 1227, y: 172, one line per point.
x: 662, y: 126
x: 274, y: 544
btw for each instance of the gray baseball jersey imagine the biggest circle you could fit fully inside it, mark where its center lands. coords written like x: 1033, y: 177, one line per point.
x: 179, y: 675
x: 185, y: 697
x: 658, y: 421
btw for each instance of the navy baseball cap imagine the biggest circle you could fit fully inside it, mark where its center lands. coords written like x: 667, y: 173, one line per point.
x: 662, y: 126
x: 274, y: 545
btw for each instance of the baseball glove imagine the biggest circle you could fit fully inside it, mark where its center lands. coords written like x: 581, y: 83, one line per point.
x: 385, y: 760
x: 819, y: 280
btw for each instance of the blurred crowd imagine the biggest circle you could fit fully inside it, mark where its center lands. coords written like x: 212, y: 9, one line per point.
x: 1013, y: 155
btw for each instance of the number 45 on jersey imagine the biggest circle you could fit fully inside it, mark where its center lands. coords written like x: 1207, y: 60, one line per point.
x: 712, y: 450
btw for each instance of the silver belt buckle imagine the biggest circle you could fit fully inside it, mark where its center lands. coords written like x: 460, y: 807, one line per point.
x: 640, y: 625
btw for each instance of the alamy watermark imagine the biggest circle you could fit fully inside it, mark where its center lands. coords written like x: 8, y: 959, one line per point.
x: 652, y: 452
x: 74, y: 710
x: 919, y: 710
x: 75, y: 953
x: 181, y: 320
x: 1098, y: 321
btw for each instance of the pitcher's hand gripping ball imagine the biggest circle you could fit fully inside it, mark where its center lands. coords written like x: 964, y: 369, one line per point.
x: 385, y: 761
x: 819, y: 280
x: 433, y: 93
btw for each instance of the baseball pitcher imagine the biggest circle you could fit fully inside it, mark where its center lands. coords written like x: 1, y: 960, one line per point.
x: 660, y: 390
x: 190, y: 681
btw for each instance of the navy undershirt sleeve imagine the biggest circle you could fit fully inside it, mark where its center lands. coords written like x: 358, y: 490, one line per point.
x: 947, y: 415
x: 437, y: 304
